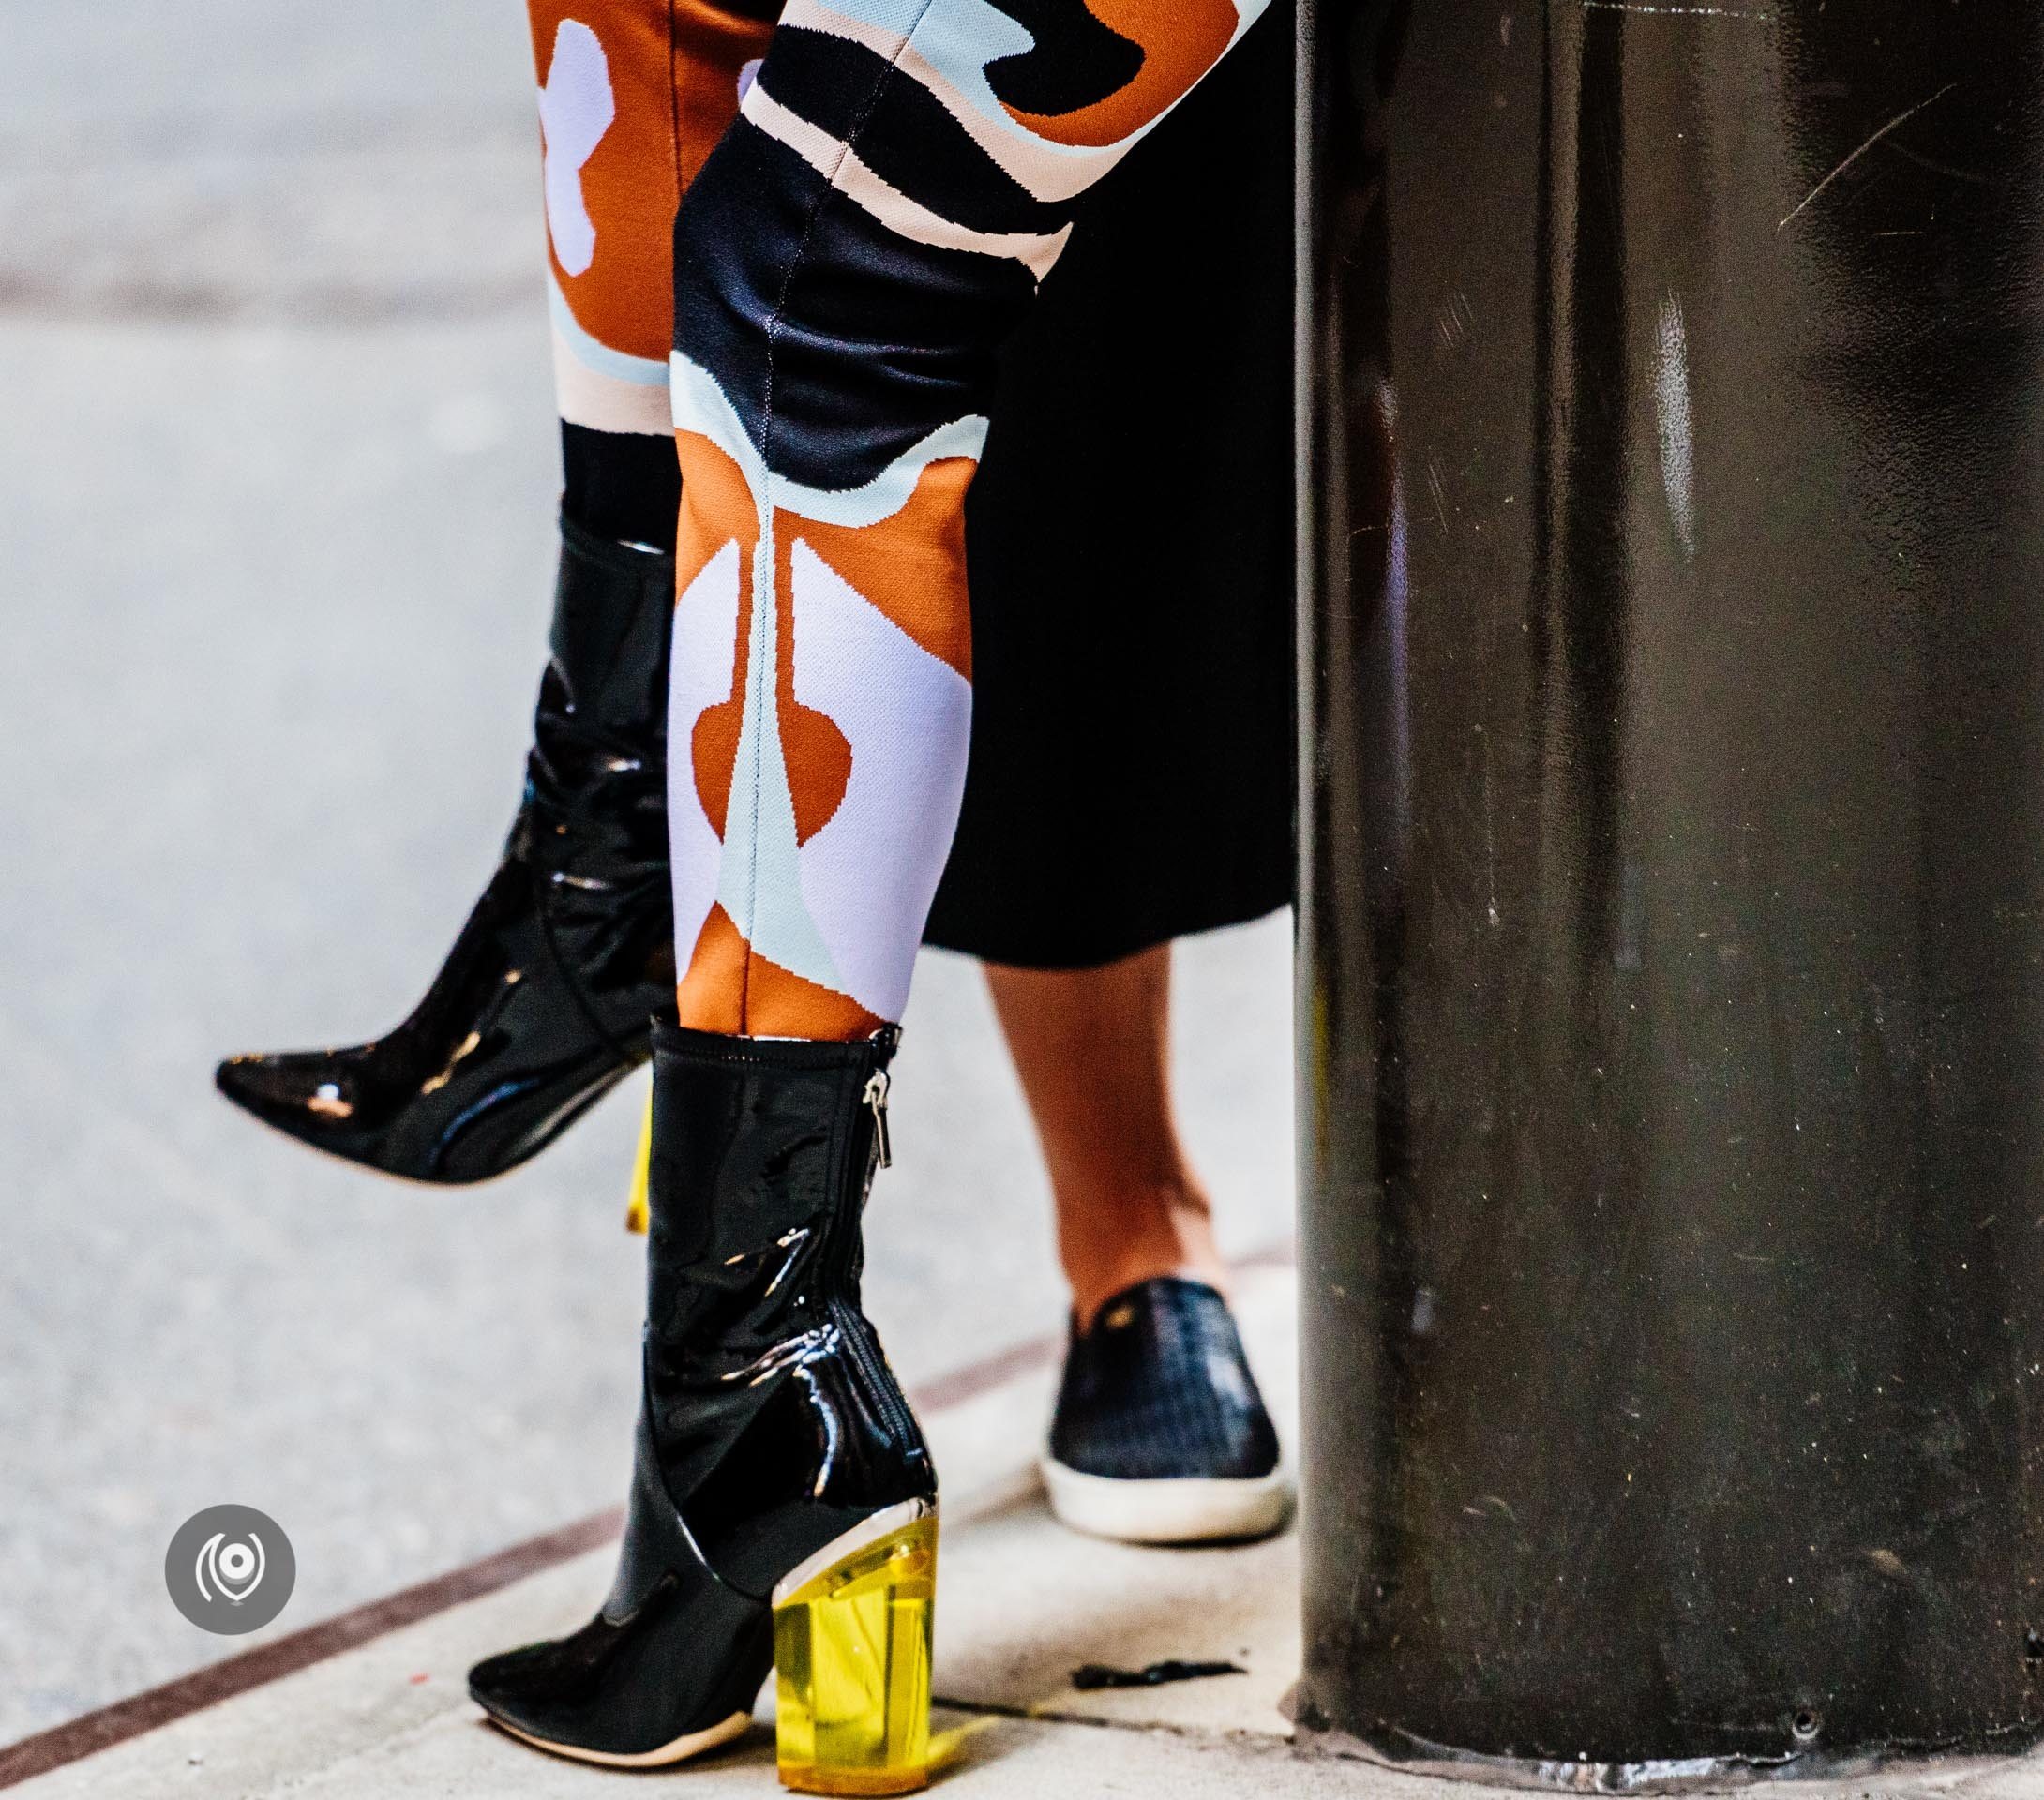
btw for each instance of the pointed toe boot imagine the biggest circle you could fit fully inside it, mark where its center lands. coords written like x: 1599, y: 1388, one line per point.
x: 783, y: 1513
x: 543, y: 1004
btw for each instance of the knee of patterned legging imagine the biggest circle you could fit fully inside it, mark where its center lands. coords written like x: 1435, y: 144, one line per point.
x: 633, y: 94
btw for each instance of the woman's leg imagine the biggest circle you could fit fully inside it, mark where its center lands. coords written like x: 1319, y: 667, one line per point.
x: 1092, y: 1047
x: 844, y: 264
x: 632, y: 96
x: 1160, y: 1434
x: 900, y: 177
x: 545, y: 1002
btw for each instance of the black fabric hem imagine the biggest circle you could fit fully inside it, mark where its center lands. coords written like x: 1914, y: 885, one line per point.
x: 1030, y: 946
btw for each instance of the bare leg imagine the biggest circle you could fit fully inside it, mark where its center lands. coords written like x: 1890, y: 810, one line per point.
x: 1092, y: 1047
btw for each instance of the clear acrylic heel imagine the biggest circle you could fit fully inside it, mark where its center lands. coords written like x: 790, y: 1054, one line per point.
x: 852, y: 1630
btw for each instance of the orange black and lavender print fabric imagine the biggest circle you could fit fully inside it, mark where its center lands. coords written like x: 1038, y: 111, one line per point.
x: 900, y: 177
x: 632, y: 96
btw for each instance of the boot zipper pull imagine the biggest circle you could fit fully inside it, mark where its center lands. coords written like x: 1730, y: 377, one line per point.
x: 876, y: 1097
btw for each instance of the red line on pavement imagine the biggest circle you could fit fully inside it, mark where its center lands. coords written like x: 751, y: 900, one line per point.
x: 267, y: 1662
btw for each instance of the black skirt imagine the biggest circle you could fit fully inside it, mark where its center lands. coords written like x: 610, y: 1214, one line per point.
x: 1130, y: 547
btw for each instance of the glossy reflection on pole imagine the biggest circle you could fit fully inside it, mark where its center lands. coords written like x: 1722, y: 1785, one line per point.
x: 1673, y: 977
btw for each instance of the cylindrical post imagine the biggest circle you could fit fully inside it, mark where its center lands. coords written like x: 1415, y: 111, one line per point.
x: 1672, y: 1002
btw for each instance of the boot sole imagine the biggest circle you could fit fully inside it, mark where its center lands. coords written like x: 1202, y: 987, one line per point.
x: 680, y: 1750
x: 1185, y: 1509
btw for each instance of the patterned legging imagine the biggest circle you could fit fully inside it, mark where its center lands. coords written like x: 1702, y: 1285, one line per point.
x: 899, y: 177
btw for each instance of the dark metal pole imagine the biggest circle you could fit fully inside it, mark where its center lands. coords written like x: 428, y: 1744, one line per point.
x: 1672, y: 1002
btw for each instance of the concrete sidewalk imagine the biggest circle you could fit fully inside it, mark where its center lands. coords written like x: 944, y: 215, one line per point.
x: 1022, y: 1604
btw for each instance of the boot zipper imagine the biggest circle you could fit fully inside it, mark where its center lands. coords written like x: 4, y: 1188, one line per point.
x: 876, y: 1099
x: 852, y: 1325
x: 879, y: 1380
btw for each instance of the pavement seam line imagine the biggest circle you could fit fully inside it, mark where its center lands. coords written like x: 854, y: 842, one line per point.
x: 1052, y: 1716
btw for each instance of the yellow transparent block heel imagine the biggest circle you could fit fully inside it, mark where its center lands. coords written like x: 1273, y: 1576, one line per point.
x: 637, y: 1211
x: 851, y: 1657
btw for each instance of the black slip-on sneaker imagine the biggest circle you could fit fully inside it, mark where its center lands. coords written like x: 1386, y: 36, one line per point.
x: 1160, y: 1435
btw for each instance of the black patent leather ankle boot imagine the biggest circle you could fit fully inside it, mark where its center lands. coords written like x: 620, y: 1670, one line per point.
x: 783, y: 1507
x: 542, y: 1005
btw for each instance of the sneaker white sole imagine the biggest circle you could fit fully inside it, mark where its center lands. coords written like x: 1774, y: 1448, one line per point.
x: 1186, y: 1509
